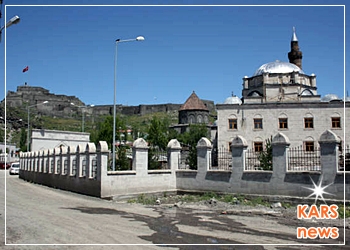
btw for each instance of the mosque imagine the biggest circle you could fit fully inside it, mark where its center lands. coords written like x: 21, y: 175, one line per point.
x: 281, y: 97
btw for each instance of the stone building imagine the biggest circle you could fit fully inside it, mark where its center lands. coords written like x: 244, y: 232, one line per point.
x: 193, y: 111
x: 281, y: 97
x: 42, y: 139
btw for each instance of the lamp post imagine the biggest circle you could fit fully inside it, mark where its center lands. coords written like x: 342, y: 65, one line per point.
x: 28, y: 107
x: 82, y: 111
x: 13, y: 20
x: 139, y: 38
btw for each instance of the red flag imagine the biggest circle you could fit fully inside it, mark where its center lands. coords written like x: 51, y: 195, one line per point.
x: 25, y: 69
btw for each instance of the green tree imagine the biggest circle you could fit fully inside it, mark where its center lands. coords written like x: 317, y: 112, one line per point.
x: 265, y: 156
x: 105, y: 130
x: 122, y: 162
x: 153, y: 162
x: 191, y: 138
x: 23, y: 140
x: 158, y: 133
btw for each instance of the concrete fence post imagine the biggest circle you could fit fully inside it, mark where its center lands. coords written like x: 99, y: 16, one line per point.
x: 31, y: 161
x: 239, y: 146
x: 57, y: 153
x: 280, y: 146
x: 42, y: 162
x: 34, y: 161
x: 80, y: 157
x: 102, y: 160
x: 90, y: 158
x: 27, y: 159
x: 46, y: 161
x: 52, y: 161
x: 64, y: 159
x: 39, y: 160
x: 173, y: 154
x: 21, y: 163
x: 204, y: 147
x: 140, y: 157
x: 329, y: 147
x: 73, y: 161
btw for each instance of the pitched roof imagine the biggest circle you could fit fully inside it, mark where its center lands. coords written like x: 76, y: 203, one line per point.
x: 193, y: 103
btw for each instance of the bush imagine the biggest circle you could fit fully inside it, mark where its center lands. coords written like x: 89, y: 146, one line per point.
x: 265, y: 156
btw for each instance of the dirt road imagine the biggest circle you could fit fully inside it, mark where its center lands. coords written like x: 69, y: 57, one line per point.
x: 40, y: 215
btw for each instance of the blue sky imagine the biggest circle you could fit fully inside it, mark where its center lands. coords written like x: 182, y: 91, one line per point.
x: 70, y: 50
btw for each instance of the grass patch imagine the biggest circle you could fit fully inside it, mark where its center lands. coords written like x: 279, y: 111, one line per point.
x: 144, y: 199
x: 343, y: 211
x: 189, y: 198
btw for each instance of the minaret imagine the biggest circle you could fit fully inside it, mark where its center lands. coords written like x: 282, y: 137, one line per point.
x: 295, y: 55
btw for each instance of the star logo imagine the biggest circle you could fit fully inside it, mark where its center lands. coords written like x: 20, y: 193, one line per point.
x: 318, y: 190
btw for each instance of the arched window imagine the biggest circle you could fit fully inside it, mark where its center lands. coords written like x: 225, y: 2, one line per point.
x: 336, y: 120
x: 306, y: 92
x: 283, y: 121
x: 309, y: 144
x: 258, y: 121
x: 308, y: 121
x: 191, y: 119
x: 258, y: 144
x: 232, y: 122
x: 199, y: 119
x: 254, y: 94
x: 205, y: 119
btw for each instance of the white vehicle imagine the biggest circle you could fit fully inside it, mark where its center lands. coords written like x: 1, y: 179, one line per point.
x: 14, y: 169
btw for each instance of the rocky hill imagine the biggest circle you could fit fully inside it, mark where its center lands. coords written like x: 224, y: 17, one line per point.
x: 60, y: 105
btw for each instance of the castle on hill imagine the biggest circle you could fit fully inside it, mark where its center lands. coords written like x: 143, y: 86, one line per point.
x: 61, y: 105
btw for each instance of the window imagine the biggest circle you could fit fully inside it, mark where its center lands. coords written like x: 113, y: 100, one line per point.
x: 309, y: 146
x: 283, y: 123
x: 335, y: 122
x: 309, y: 122
x: 191, y: 119
x: 258, y: 146
x: 232, y: 123
x: 199, y: 119
x: 258, y: 124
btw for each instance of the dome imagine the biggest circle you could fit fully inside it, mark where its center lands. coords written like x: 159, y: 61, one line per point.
x: 277, y: 67
x: 329, y: 97
x: 233, y: 100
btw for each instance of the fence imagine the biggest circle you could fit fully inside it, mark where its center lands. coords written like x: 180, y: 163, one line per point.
x: 251, y: 160
x: 221, y: 159
x: 123, y: 161
x: 157, y: 158
x: 96, y: 180
x: 301, y: 160
x: 184, y: 158
x: 344, y: 158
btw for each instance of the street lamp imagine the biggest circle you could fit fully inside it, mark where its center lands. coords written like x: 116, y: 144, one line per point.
x: 82, y: 111
x: 13, y: 20
x: 28, y: 107
x: 139, y: 38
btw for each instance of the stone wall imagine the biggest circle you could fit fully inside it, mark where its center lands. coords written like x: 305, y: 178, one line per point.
x: 60, y: 105
x: 84, y: 170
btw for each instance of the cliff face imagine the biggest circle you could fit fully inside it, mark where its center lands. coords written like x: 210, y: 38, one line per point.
x: 60, y: 105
